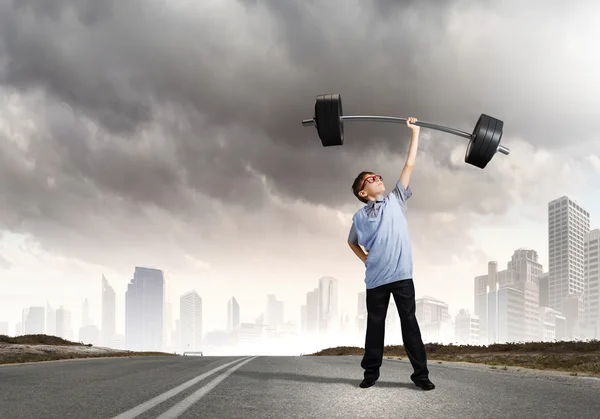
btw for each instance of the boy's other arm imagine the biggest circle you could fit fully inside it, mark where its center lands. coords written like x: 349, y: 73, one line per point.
x: 412, y: 153
x: 358, y: 251
x: 353, y: 243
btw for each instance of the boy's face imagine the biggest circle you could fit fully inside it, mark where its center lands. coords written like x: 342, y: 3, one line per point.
x: 372, y: 186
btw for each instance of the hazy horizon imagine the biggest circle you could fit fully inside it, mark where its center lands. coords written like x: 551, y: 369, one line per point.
x: 169, y: 136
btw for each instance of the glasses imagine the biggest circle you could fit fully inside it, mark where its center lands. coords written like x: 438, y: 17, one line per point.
x: 370, y: 179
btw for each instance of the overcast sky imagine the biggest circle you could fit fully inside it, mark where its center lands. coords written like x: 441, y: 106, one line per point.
x: 169, y: 136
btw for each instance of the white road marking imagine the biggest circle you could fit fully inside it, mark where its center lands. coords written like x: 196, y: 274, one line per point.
x: 144, y: 407
x: 176, y: 411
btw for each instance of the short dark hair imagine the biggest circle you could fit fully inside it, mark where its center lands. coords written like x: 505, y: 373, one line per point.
x: 358, y: 183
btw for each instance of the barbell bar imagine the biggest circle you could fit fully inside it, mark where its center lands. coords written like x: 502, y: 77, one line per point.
x: 483, y: 144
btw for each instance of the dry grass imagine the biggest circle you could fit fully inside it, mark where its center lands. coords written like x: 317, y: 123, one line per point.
x: 39, y: 340
x: 573, y: 357
x: 39, y: 348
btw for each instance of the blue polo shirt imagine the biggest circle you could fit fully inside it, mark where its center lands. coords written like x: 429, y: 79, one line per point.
x: 381, y: 227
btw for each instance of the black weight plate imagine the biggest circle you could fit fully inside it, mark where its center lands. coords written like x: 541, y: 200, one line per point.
x: 328, y: 110
x: 486, y: 142
x: 472, y: 143
x: 340, y: 122
x: 495, y: 139
x: 474, y: 154
x: 321, y: 118
x: 330, y: 121
x: 334, y: 121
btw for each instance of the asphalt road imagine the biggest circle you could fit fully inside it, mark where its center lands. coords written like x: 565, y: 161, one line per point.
x: 283, y: 387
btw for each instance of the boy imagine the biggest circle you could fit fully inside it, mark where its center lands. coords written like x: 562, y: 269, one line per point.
x: 381, y: 228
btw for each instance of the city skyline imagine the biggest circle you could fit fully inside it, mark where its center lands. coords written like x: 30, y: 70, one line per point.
x: 520, y: 281
x: 347, y: 304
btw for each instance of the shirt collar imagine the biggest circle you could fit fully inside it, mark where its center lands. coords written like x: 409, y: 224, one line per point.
x: 371, y: 203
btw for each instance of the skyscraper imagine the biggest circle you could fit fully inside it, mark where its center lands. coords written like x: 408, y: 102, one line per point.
x: 527, y: 271
x: 312, y: 311
x: 109, y: 309
x: 592, y: 281
x: 433, y: 317
x: 190, y: 323
x: 233, y: 314
x: 50, y: 320
x: 328, y: 304
x: 64, y: 325
x: 274, y: 317
x: 543, y: 281
x: 85, y: 314
x: 567, y: 225
x: 482, y: 285
x: 144, y: 310
x: 34, y: 322
x: 466, y: 328
x: 479, y: 287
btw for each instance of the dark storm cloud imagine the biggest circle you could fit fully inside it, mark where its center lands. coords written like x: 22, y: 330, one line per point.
x: 191, y: 100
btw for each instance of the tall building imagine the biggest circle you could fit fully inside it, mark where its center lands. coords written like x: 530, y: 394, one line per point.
x: 274, y: 313
x: 190, y: 322
x: 4, y: 328
x: 64, y: 324
x: 88, y: 332
x: 109, y: 313
x: 50, y: 320
x: 361, y: 308
x: 312, y: 311
x: 328, y: 304
x: 466, y: 328
x: 567, y: 225
x: 592, y: 282
x: 544, y: 290
x: 144, y: 310
x: 554, y: 324
x: 34, y: 322
x: 573, y: 311
x: 233, y: 314
x: 527, y: 271
x: 85, y: 314
x: 479, y: 287
x: 360, y: 326
x: 482, y: 285
x: 505, y: 315
x: 500, y: 313
x: 434, y: 319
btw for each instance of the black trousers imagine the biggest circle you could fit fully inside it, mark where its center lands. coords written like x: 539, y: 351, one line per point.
x: 378, y: 300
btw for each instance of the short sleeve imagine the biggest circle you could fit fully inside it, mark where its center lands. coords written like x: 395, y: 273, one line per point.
x: 402, y: 193
x: 352, y: 235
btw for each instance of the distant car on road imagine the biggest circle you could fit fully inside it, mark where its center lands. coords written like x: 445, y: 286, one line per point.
x: 193, y: 353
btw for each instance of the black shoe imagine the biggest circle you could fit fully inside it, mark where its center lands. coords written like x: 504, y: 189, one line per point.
x: 425, y: 384
x: 368, y: 381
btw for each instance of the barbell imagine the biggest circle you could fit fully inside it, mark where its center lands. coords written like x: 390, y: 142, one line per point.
x: 484, y: 141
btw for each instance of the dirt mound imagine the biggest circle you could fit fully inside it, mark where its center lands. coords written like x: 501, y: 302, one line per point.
x: 567, y: 347
x: 575, y: 357
x: 39, y: 340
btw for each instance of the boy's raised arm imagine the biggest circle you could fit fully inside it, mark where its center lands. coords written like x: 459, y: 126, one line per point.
x: 412, y: 153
